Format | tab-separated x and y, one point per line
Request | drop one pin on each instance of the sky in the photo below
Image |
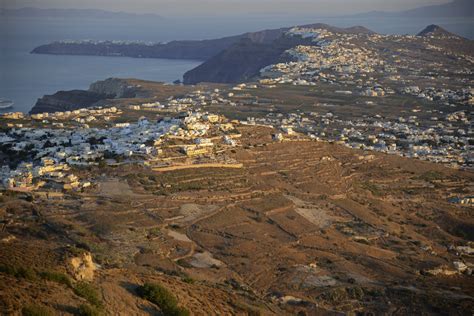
233	7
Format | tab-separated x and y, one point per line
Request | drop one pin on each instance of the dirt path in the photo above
202	165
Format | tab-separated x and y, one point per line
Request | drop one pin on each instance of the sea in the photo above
25	77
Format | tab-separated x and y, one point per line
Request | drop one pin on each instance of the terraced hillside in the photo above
301	227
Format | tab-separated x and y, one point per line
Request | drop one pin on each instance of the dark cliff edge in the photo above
75	99
67	101
241	62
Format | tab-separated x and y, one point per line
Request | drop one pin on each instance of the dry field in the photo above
303	227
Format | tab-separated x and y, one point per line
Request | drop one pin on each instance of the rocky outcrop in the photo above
117	88
67	101
99	91
82	267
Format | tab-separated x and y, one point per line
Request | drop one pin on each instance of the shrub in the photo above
57	277
165	300
18	272
87	310
248	309
188	279
87	291
373	188
36	310
431	176
184	263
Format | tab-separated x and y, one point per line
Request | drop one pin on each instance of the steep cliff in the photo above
67	101
117	88
241	62
101	90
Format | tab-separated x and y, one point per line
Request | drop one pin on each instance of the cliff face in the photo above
67	101
117	88
74	99
241	62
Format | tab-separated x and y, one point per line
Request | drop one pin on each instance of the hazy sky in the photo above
207	7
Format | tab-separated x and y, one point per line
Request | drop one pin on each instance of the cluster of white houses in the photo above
329	58
461	96
345	59
47	156
448	142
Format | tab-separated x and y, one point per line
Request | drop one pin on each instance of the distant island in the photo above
72	13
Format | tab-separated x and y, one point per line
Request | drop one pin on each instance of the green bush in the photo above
36	310
87	310
57	277
188	279
431	176
18	272
184	263
373	188
165	300
87	291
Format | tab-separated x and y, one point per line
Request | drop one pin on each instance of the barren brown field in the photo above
304	227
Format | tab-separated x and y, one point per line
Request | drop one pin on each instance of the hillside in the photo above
437	31
302	227
305	195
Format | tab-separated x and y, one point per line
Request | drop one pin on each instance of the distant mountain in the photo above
456	8
71	13
436	31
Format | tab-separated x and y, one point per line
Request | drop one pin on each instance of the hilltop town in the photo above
337	179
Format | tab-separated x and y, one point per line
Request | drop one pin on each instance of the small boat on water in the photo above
6	104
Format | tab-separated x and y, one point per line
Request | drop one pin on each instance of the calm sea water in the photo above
25	77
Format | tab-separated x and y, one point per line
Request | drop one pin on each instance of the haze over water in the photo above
25	77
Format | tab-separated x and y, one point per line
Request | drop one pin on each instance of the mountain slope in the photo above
436	31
